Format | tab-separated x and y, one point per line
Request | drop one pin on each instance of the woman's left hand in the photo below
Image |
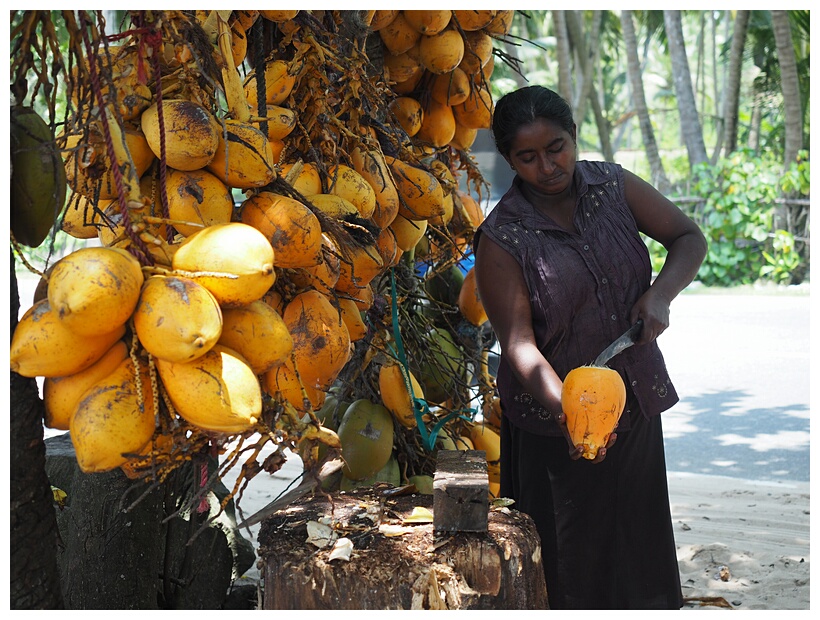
577	451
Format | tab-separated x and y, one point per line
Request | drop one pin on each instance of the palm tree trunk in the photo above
790	85
562	51
584	77
731	102
691	130
35	578
602	124
659	177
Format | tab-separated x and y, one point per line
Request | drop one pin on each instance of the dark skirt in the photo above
606	528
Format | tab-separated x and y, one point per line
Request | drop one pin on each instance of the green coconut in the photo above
366	434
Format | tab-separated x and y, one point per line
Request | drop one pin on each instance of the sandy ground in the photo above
741	544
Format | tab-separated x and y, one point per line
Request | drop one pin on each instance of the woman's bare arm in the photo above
660	219
504	295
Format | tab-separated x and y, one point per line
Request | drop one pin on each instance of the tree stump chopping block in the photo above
398	560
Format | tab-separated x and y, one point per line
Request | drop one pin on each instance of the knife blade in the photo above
624	341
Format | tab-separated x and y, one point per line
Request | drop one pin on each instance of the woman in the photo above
562	271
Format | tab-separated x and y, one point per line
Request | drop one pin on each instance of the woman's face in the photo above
543	155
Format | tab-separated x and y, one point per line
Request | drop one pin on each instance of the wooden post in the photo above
461	491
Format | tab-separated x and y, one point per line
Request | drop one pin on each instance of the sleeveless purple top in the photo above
582	287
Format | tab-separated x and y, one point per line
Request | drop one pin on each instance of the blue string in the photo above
420	406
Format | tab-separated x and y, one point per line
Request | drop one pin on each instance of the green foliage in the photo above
797	178
736	216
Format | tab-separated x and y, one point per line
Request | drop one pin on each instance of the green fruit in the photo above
329	415
390	473
424	484
445	286
38	184
443	367
331	411
366	433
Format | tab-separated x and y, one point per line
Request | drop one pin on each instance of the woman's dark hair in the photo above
522	107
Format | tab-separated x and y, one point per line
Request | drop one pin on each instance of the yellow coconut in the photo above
438	125
239	43
191	133
321	343
421	193
114	418
304	178
334	206
593	399
486	72
281	122
258	333
246	19
277	147
485	438
451	88
359	267
477	111
428	21
88	168
290	227
362	297
279	16
94	290
112	233
474	20
234	261
501	23
441	52
408	232
177	319
61	395
324	276
403	67
449	207
493	413
371	164
80	219
42	346
198	197
283	383
388	247
243	158
408	86
381	19
469	302
344	181
352	317
399	36
279	82
464	137
217	391
408	113
478	49
469	207
275	300
395	394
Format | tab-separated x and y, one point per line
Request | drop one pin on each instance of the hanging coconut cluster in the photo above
279	244
439	63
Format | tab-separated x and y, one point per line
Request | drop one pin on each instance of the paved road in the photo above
740	363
